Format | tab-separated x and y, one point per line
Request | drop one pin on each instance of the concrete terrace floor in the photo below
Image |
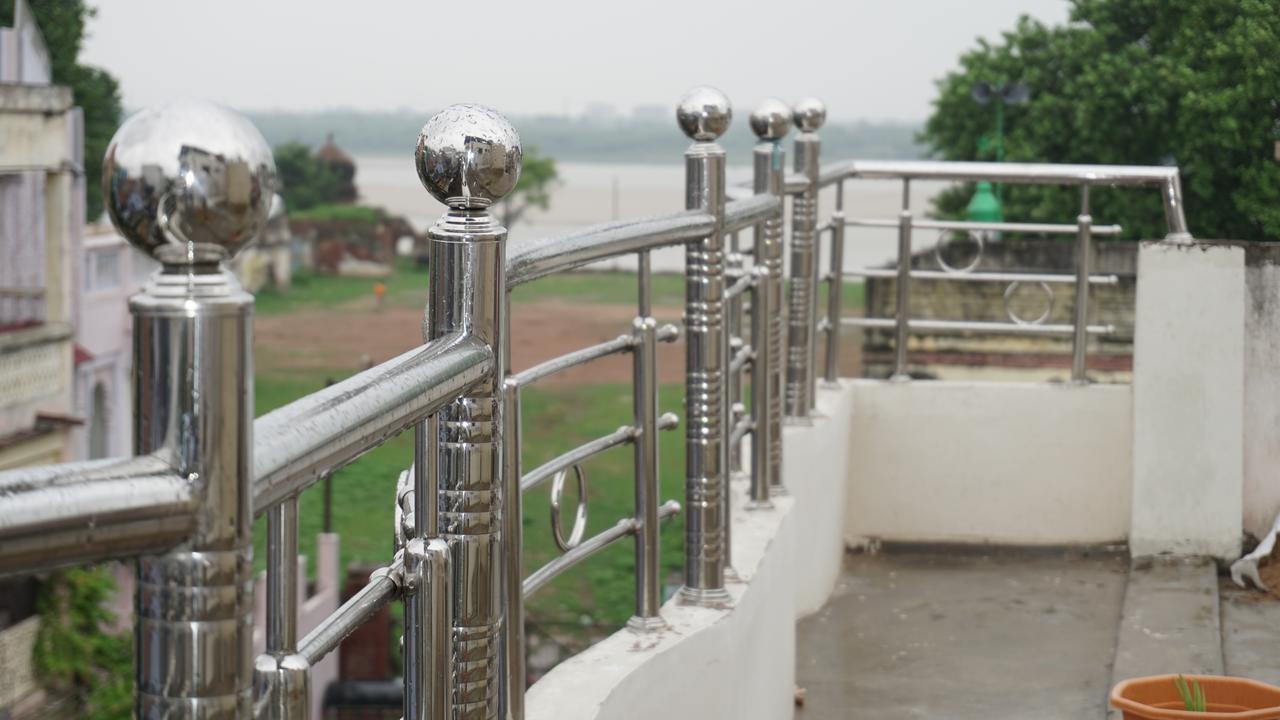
915	635
1007	634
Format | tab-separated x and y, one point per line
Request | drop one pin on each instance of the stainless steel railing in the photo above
1166	179
189	185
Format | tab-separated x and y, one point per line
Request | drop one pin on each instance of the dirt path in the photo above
354	336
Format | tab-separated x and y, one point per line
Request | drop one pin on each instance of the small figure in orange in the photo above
379	290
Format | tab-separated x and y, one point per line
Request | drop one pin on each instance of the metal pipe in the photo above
468	157
741	284
835	290
746	212
704	115
1004	277
531	260
193	394
429	653
86	512
620	344
647	489
545	471
311	437
324	638
282	577
761	401
514	674
1015	227
801	336
770	122
592	545
903	309
1005	328
1084	263
741	359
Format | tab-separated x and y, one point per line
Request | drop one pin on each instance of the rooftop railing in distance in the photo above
1166	179
190	185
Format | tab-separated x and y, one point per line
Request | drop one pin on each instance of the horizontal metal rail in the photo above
85	512
1011	227
620	344
976	326
592	545
382	588
748	212
1002	172
587	450
981	276
531	260
296	445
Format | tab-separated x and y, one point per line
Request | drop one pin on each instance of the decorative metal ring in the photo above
977	237
580	513
1048	309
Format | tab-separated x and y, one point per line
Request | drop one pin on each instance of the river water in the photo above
588	193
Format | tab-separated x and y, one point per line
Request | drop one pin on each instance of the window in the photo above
102	269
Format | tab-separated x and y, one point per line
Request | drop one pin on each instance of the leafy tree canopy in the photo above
304	180
1142	82
62	23
533	189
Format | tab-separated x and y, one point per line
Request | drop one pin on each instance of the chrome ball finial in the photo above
771	120
188	181
704	113
809	114
468	156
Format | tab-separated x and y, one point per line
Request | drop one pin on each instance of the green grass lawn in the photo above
407	285
599	591
554	421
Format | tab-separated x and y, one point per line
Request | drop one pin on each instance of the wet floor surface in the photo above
959	636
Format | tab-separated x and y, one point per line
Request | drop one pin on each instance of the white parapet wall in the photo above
1189	409
736	661
989	462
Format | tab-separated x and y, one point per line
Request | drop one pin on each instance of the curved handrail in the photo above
296	445
83	512
531	260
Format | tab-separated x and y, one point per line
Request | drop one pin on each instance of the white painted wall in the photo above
1013	463
1261	389
1188	406
735	662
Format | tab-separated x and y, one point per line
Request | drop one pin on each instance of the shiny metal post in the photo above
835	289
428	651
761	402
1084	266
704	114
190	184
513	655
902	322
771	122
809	115
645	416
734	271
468	157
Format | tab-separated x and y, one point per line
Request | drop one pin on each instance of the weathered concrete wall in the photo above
738	661
1013	463
1261	387
1188	400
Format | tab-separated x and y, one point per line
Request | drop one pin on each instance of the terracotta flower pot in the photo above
1227	698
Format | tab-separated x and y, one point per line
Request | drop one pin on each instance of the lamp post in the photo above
1014	93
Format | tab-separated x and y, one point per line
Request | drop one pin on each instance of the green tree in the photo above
305	182
62	23
77	659
533	189
1144	82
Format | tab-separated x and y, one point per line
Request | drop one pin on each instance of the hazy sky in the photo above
875	60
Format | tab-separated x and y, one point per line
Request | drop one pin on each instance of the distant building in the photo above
270	259
41	217
110	272
341	163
